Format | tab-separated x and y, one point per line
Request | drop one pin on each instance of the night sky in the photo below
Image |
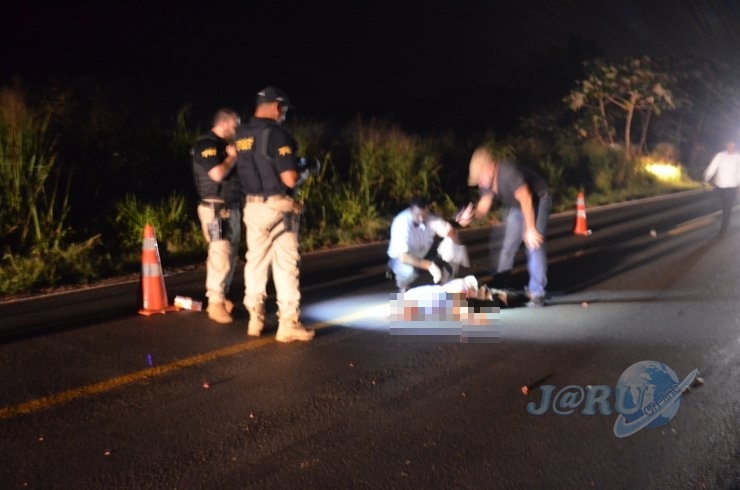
458	64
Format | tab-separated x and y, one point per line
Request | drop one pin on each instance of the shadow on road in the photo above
591	268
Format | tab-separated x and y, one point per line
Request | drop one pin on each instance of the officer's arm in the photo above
220	171
282	149
289	178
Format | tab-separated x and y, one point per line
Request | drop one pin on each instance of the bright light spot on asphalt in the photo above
565	320
367	312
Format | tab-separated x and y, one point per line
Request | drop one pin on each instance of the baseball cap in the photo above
272	94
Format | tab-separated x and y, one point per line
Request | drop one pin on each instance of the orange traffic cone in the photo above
152	281
581	228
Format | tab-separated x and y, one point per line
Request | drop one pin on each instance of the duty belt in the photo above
261	198
216	205
221	204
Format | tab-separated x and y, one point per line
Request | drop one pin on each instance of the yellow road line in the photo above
120	381
693	224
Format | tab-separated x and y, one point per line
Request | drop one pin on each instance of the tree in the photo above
617	93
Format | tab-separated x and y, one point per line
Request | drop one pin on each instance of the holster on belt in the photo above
218	228
220	209
291	213
284	204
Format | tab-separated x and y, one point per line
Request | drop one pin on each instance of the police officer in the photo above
267	166
219	209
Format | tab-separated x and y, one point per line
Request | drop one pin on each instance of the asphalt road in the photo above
177	402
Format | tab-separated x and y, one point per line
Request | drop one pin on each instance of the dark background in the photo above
468	64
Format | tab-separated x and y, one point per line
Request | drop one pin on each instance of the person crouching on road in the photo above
410	248
219	209
268	171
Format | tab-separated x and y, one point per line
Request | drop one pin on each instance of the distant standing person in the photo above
724	173
219	209
268	169
528	199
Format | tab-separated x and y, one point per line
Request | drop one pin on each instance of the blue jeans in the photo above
234	236
536	259
405	273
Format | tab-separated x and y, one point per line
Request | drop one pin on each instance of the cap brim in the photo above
280	103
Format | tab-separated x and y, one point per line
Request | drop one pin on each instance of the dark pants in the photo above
727	198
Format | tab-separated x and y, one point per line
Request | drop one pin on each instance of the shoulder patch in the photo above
285	150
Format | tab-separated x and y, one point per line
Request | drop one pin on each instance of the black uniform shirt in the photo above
209	151
511	176
261	162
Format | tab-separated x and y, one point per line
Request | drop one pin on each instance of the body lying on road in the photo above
458	308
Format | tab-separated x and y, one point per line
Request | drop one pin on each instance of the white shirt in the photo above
724	170
415	240
431	299
439	304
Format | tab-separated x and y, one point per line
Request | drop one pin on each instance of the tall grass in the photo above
335	213
34	203
178	233
389	166
380	169
33	207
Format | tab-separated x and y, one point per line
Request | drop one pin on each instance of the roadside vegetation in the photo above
80	177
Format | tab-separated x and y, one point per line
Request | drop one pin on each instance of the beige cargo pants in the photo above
271	245
221	258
